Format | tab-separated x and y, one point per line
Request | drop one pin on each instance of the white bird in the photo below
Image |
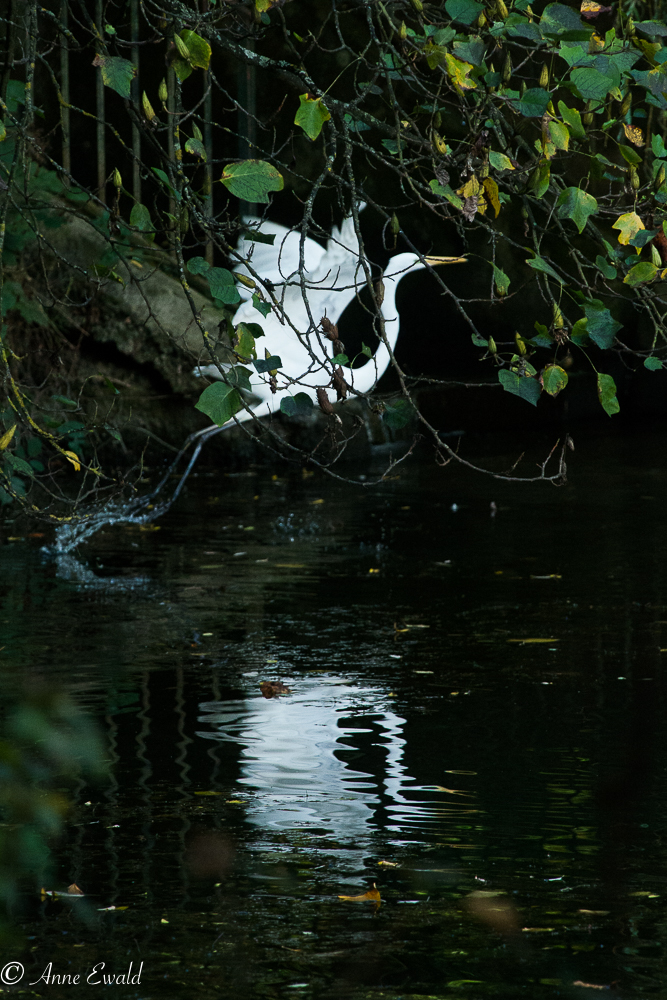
330	280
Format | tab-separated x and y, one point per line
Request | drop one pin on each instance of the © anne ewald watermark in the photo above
13	972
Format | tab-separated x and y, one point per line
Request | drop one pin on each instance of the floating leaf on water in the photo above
389	864
532	640
595	913
208	792
73	890
590	986
372	896
273	689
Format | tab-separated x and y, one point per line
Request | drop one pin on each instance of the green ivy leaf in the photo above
117	73
653	364
572	119
140	218
601	326
658	146
606	268
577	205
444	191
534	102
244	342
559	134
252	180
196	147
466	11
219	402
554	379
607	394
499	161
540	264
630	155
520	385
295	406
312	115
264	365
261	306
502	282
541	179
398	414
640	274
591	84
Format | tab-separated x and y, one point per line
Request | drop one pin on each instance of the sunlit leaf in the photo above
72	457
628	224
640	274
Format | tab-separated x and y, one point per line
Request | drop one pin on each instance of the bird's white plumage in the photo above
329	281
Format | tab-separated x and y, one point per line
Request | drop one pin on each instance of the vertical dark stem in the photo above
247	115
64	90
10	45
171	111
99	111
208	146
31	51
136	135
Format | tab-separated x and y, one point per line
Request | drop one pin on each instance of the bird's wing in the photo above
280	261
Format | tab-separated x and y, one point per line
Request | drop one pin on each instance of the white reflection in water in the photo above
294	755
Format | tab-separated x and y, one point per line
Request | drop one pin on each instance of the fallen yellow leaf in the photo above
532	640
372	896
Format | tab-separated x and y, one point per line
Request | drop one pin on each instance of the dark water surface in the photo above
508	798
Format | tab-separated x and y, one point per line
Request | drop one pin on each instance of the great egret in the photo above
330	280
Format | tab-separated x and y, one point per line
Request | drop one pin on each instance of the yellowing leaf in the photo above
491	189
559	134
470	188
629	225
6	437
72	457
458	72
373	896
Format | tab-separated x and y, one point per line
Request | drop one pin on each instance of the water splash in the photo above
135	511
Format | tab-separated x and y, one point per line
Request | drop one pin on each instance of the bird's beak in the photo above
433	261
